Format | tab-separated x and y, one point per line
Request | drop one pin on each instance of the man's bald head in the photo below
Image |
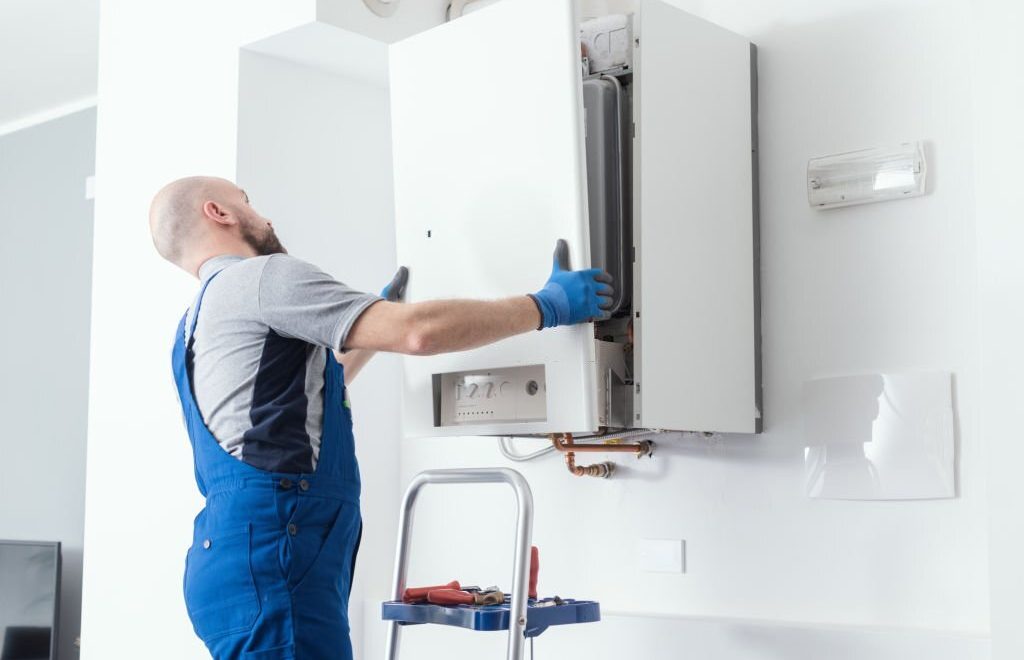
197	217
176	213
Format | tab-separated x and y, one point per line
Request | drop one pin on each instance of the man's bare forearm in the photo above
441	326
459	325
447	326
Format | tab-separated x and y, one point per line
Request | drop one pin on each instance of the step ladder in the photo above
523	619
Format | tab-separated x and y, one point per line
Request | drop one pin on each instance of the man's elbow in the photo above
406	329
421	341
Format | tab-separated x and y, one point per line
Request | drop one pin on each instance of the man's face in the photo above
257	230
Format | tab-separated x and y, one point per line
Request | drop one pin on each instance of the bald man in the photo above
261	360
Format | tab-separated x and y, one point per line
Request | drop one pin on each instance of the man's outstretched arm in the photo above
441	326
446	326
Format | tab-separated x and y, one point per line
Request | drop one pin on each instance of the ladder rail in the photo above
520	566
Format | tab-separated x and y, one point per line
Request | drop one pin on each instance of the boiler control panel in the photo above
507	394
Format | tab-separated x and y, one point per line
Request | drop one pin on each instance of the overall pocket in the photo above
330	567
220	592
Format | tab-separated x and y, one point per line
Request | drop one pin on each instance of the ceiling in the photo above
49	50
48	56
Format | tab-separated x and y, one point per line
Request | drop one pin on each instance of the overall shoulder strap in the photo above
195	310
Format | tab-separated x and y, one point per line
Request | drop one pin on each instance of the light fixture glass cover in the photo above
868	175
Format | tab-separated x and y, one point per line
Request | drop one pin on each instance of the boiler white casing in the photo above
490	170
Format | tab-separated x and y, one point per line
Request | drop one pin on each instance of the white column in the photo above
999	98
168	90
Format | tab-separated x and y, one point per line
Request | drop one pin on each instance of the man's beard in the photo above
265	243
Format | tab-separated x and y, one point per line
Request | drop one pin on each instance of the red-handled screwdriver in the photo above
534	569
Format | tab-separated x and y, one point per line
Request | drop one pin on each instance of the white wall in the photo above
45	267
884	287
314	155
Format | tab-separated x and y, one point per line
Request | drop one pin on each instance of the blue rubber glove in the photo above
573	296
395	289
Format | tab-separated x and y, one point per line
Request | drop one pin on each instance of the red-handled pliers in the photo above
457	597
419	594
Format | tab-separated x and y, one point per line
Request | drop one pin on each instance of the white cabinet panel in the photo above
488	163
695	226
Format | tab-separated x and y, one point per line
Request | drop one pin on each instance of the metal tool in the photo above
419	594
459	597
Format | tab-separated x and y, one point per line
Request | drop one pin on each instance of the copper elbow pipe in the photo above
642	448
602	470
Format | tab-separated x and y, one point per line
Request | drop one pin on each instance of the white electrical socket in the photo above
662	555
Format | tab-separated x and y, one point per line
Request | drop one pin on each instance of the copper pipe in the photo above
642	448
601	470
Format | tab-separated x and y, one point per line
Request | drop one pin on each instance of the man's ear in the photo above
218	213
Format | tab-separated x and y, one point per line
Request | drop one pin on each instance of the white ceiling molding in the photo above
457	8
47	115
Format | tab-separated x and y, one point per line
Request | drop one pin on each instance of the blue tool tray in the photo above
493	617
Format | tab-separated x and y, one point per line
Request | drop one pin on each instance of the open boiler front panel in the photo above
633	137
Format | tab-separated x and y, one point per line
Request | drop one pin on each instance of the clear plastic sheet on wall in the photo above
879	437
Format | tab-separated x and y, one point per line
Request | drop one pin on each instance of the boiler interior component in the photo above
606	109
607	42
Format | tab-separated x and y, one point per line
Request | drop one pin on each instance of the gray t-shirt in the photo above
259	355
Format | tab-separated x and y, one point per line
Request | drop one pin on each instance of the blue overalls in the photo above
269	572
